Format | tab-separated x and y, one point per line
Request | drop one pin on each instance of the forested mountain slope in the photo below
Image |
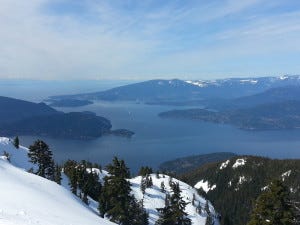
234	184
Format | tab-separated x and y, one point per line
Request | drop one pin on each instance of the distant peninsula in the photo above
69	103
271	116
18	117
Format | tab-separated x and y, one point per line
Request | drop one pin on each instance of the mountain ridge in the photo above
154	91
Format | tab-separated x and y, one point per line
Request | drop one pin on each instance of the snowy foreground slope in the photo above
27	199
155	198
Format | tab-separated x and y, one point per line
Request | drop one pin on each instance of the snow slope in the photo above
154	198
18	157
27	199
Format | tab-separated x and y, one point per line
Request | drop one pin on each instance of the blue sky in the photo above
143	39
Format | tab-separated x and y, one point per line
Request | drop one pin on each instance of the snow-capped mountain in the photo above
28	199
160	91
280	80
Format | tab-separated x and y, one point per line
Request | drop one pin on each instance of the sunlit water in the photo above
157	140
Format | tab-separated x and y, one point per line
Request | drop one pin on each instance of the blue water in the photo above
157	140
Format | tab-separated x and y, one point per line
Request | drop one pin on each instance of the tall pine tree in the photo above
40	154
16	142
115	200
57	175
173	213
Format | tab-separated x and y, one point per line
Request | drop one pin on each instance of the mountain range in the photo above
174	91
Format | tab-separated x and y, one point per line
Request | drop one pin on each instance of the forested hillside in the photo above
234	185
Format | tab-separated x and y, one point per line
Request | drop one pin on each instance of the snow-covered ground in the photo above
205	186
239	162
28	199
154	198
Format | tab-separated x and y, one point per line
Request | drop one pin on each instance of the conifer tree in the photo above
209	220
73	180
162	187
16	142
7	155
143	185
272	207
57	176
173	213
115	200
157	174
138	215
144	171
199	208
40	154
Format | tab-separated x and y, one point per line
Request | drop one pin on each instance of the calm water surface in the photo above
157	140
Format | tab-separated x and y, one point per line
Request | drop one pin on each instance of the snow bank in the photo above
239	162
205	186
154	198
286	174
28	199
18	157
224	164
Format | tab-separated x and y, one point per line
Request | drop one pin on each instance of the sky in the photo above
148	39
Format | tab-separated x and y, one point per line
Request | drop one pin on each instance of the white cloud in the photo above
172	39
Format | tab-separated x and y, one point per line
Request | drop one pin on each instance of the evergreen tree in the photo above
193	200
57	175
173	213
40	154
157	174
138	215
206	208
7	155
73	180
83	178
272	207
209	220
178	206
199	208
16	142
143	185
162	187
144	171
115	200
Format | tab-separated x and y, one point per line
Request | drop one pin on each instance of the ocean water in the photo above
157	140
